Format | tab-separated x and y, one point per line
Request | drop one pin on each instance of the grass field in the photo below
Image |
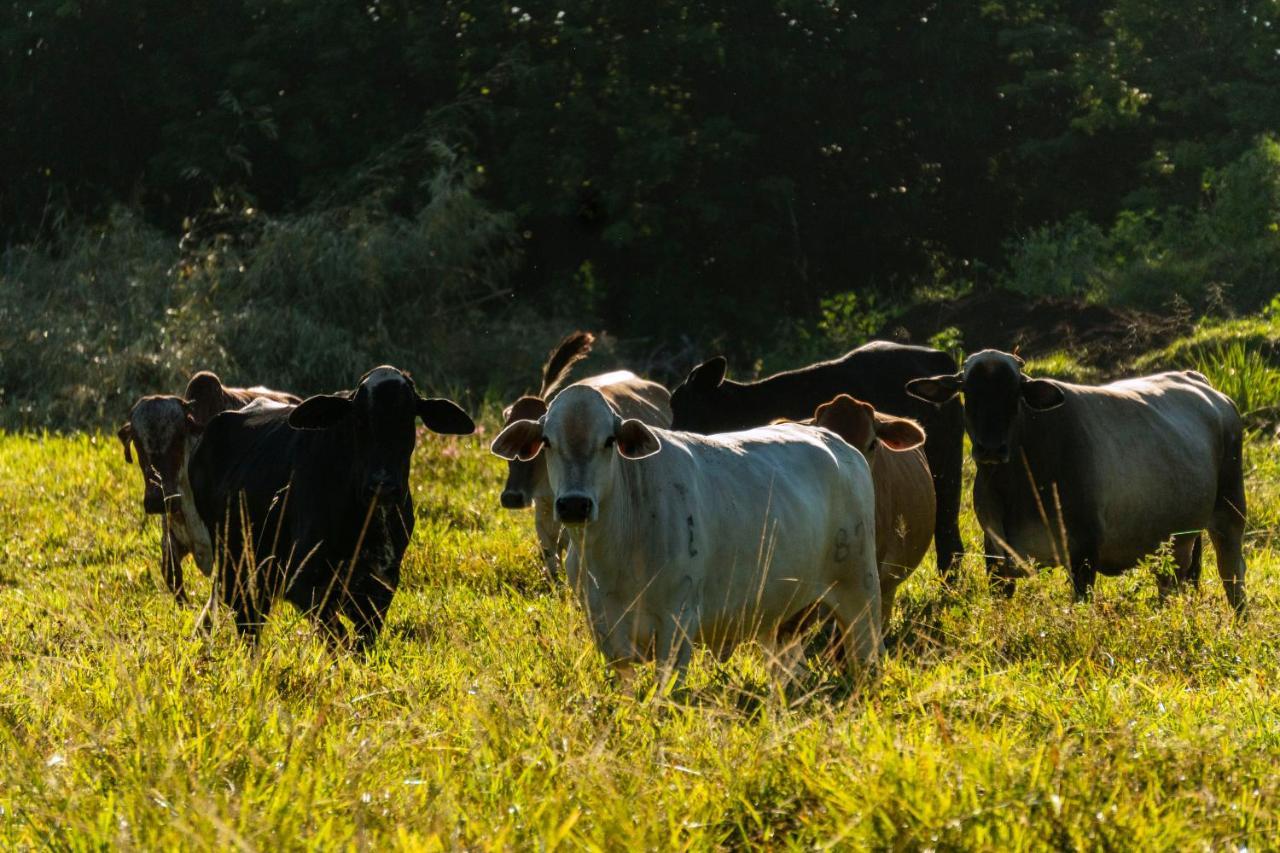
485	718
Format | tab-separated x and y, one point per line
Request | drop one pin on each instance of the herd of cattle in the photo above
720	513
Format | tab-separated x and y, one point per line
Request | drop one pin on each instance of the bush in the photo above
105	313
1148	257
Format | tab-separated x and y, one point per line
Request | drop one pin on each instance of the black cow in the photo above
877	373
1097	477
312	502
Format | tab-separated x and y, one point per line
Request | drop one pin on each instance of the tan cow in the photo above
165	431
681	538
905	505
527	483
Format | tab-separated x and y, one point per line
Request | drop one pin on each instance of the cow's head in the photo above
699	403
865	429
583	440
158	428
379	416
523	475
995	389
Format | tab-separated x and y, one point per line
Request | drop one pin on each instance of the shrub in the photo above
1244	375
105	313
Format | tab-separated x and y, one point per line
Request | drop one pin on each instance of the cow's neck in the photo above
783	395
1030	446
617	543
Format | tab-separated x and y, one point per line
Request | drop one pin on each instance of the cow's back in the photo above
633	397
1139	459
241	453
759	521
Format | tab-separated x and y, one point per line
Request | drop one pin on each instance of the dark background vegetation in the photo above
290	192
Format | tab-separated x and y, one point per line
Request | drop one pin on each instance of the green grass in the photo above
484	717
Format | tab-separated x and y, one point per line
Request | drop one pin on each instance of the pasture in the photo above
484	716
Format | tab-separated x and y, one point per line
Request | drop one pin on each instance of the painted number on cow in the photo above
842	545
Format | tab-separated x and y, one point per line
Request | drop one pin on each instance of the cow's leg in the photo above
1084	571
1001	579
945	455
328	618
784	656
241	595
367	607
171	554
549	535
673	649
1226	527
1192	573
1185	552
204	622
888	589
857	614
249	619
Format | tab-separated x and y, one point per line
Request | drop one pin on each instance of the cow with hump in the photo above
527	484
1096	478
165	430
312	503
680	538
707	402
905	505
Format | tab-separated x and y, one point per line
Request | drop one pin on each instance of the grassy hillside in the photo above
485	717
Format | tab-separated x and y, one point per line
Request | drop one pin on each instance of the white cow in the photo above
682	538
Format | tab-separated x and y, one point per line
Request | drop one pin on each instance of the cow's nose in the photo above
574	509
382	489
991	454
153	502
512	499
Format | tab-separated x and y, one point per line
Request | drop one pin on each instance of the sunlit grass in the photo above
484	716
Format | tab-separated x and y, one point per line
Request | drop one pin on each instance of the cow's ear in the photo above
1041	395
936	389
320	412
125	434
445	416
851	419
709	374
635	440
520	440
900	433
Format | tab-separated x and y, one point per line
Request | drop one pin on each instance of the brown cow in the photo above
165	430
527	484
905	503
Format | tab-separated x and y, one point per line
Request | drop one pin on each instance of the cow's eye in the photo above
546	444
610	442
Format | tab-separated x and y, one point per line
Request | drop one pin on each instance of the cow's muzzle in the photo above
991	455
384	490
574	509
153	502
512	499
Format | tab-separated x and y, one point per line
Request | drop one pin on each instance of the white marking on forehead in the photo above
156	420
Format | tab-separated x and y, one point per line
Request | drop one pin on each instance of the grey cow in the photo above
1096	478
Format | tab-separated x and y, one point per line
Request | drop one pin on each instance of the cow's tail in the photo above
573	349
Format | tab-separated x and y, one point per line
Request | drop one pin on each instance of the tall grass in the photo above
1244	375
484	717
105	312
